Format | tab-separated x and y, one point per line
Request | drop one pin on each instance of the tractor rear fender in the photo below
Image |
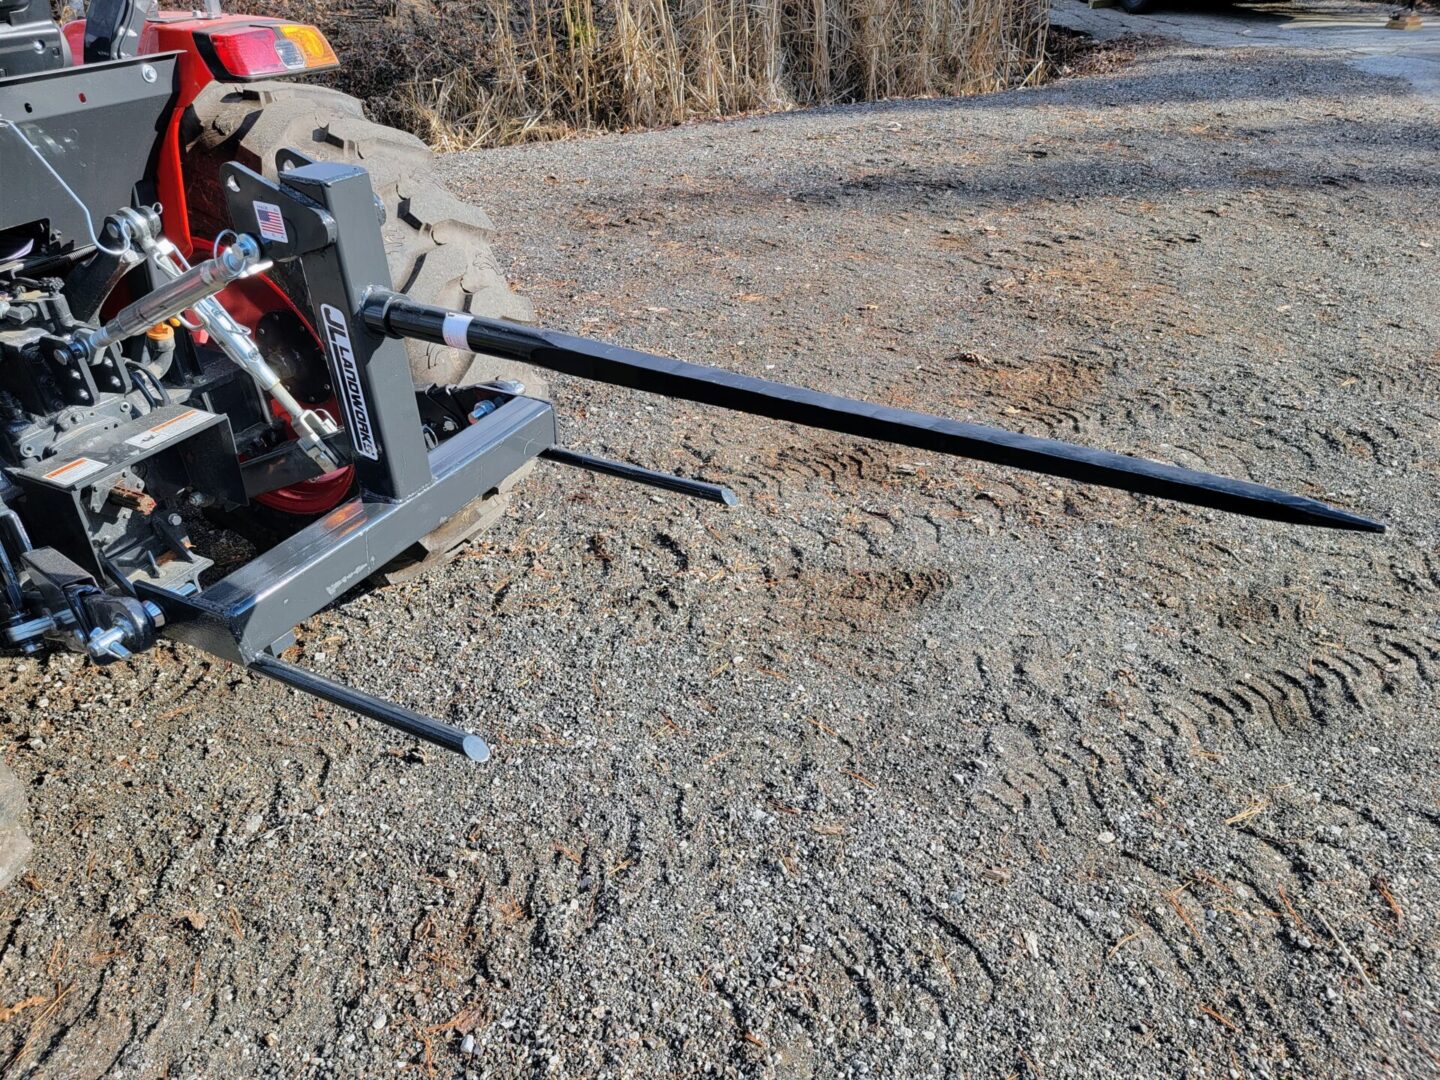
199	63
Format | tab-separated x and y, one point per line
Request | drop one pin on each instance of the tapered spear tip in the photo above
1334	518
1277	505
1303	510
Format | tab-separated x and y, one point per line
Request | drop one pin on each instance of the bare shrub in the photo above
465	73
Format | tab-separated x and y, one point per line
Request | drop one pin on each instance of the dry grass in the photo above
489	72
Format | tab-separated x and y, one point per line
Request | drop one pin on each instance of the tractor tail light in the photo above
312	44
275	49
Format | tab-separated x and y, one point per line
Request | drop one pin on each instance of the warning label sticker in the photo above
72	472
168	429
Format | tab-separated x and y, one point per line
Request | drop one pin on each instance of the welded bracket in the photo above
324	216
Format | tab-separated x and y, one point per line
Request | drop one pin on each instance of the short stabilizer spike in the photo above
397	315
697	489
457	740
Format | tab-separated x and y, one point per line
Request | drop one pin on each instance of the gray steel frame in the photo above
256	607
405	492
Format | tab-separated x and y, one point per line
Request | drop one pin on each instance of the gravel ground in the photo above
906	767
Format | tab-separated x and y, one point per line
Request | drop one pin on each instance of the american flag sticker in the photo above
272	225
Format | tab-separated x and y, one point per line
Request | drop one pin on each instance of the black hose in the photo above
159	397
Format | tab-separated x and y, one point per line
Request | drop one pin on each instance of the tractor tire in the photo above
437	245
14	843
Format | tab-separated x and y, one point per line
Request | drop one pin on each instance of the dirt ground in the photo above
905	767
